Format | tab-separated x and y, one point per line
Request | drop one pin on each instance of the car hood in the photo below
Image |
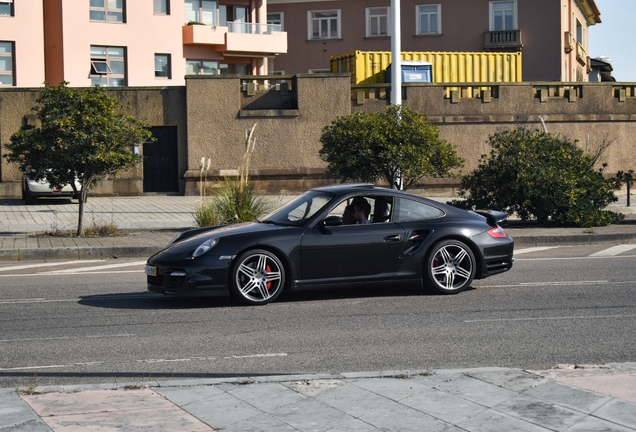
189	244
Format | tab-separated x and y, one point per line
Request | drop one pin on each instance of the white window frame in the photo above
98	61
10	3
109	13
11	56
491	15
200	11
161	7
276	21
371	16
310	24
418	18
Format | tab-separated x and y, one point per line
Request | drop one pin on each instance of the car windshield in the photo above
299	210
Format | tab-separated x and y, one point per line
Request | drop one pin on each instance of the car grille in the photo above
166	281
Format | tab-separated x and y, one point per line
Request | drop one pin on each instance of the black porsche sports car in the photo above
306	243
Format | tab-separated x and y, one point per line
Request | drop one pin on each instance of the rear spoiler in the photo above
494	217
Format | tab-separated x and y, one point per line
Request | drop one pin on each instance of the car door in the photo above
350	252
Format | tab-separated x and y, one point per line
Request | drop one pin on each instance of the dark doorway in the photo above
161	167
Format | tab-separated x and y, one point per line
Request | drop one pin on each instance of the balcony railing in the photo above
254	28
567	41
503	39
581	55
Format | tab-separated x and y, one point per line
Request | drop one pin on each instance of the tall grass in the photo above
237	200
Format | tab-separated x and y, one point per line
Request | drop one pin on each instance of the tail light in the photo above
497	232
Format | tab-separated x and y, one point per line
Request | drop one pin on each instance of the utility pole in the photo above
396	71
396	54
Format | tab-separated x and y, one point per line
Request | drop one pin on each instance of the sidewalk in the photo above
149	222
479	399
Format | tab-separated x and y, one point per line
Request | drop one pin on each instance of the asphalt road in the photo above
94	322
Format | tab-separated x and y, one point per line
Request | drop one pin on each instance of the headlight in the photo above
205	246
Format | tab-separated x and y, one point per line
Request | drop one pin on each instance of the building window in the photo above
6	7
276	18
503	15
6	64
429	19
162	66
202	67
108	66
200	11
377	21
235	69
107	11
161	7
324	24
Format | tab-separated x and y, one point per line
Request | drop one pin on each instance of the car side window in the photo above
410	210
380	209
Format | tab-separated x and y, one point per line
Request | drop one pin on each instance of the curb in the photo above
80	252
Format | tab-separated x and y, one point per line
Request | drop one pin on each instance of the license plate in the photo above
151	270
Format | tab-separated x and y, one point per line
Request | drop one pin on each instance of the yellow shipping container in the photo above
369	67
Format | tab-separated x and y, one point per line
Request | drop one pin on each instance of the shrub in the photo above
543	176
398	145
233	203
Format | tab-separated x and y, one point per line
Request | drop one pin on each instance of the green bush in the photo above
541	176
234	202
398	145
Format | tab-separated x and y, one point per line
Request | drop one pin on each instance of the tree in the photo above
83	134
544	176
397	145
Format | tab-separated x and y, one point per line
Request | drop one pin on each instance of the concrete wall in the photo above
157	106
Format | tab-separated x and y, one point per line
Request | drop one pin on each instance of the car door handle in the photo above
393	238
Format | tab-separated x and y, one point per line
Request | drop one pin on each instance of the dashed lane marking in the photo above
51	264
615	250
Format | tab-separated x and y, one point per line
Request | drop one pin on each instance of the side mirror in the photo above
332	221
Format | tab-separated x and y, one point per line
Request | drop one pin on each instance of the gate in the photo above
161	167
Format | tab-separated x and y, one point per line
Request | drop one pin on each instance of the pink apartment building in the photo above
551	34
133	42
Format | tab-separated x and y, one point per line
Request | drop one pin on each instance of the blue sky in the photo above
612	37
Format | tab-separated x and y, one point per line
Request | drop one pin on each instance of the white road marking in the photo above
102	267
551	318
533	249
90	298
570	283
51	264
140	271
98	363
66	338
614	250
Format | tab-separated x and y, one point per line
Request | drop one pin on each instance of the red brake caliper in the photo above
268	284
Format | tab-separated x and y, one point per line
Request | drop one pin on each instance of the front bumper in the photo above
189	278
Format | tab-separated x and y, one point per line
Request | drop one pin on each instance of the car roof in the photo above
348	187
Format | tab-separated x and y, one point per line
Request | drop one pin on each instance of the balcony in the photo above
238	37
567	42
581	55
503	40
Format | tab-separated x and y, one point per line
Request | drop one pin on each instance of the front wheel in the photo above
450	267
257	278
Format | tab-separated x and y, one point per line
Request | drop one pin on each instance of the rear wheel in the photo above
257	278
450	267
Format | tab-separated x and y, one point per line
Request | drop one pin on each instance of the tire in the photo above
257	278
450	267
